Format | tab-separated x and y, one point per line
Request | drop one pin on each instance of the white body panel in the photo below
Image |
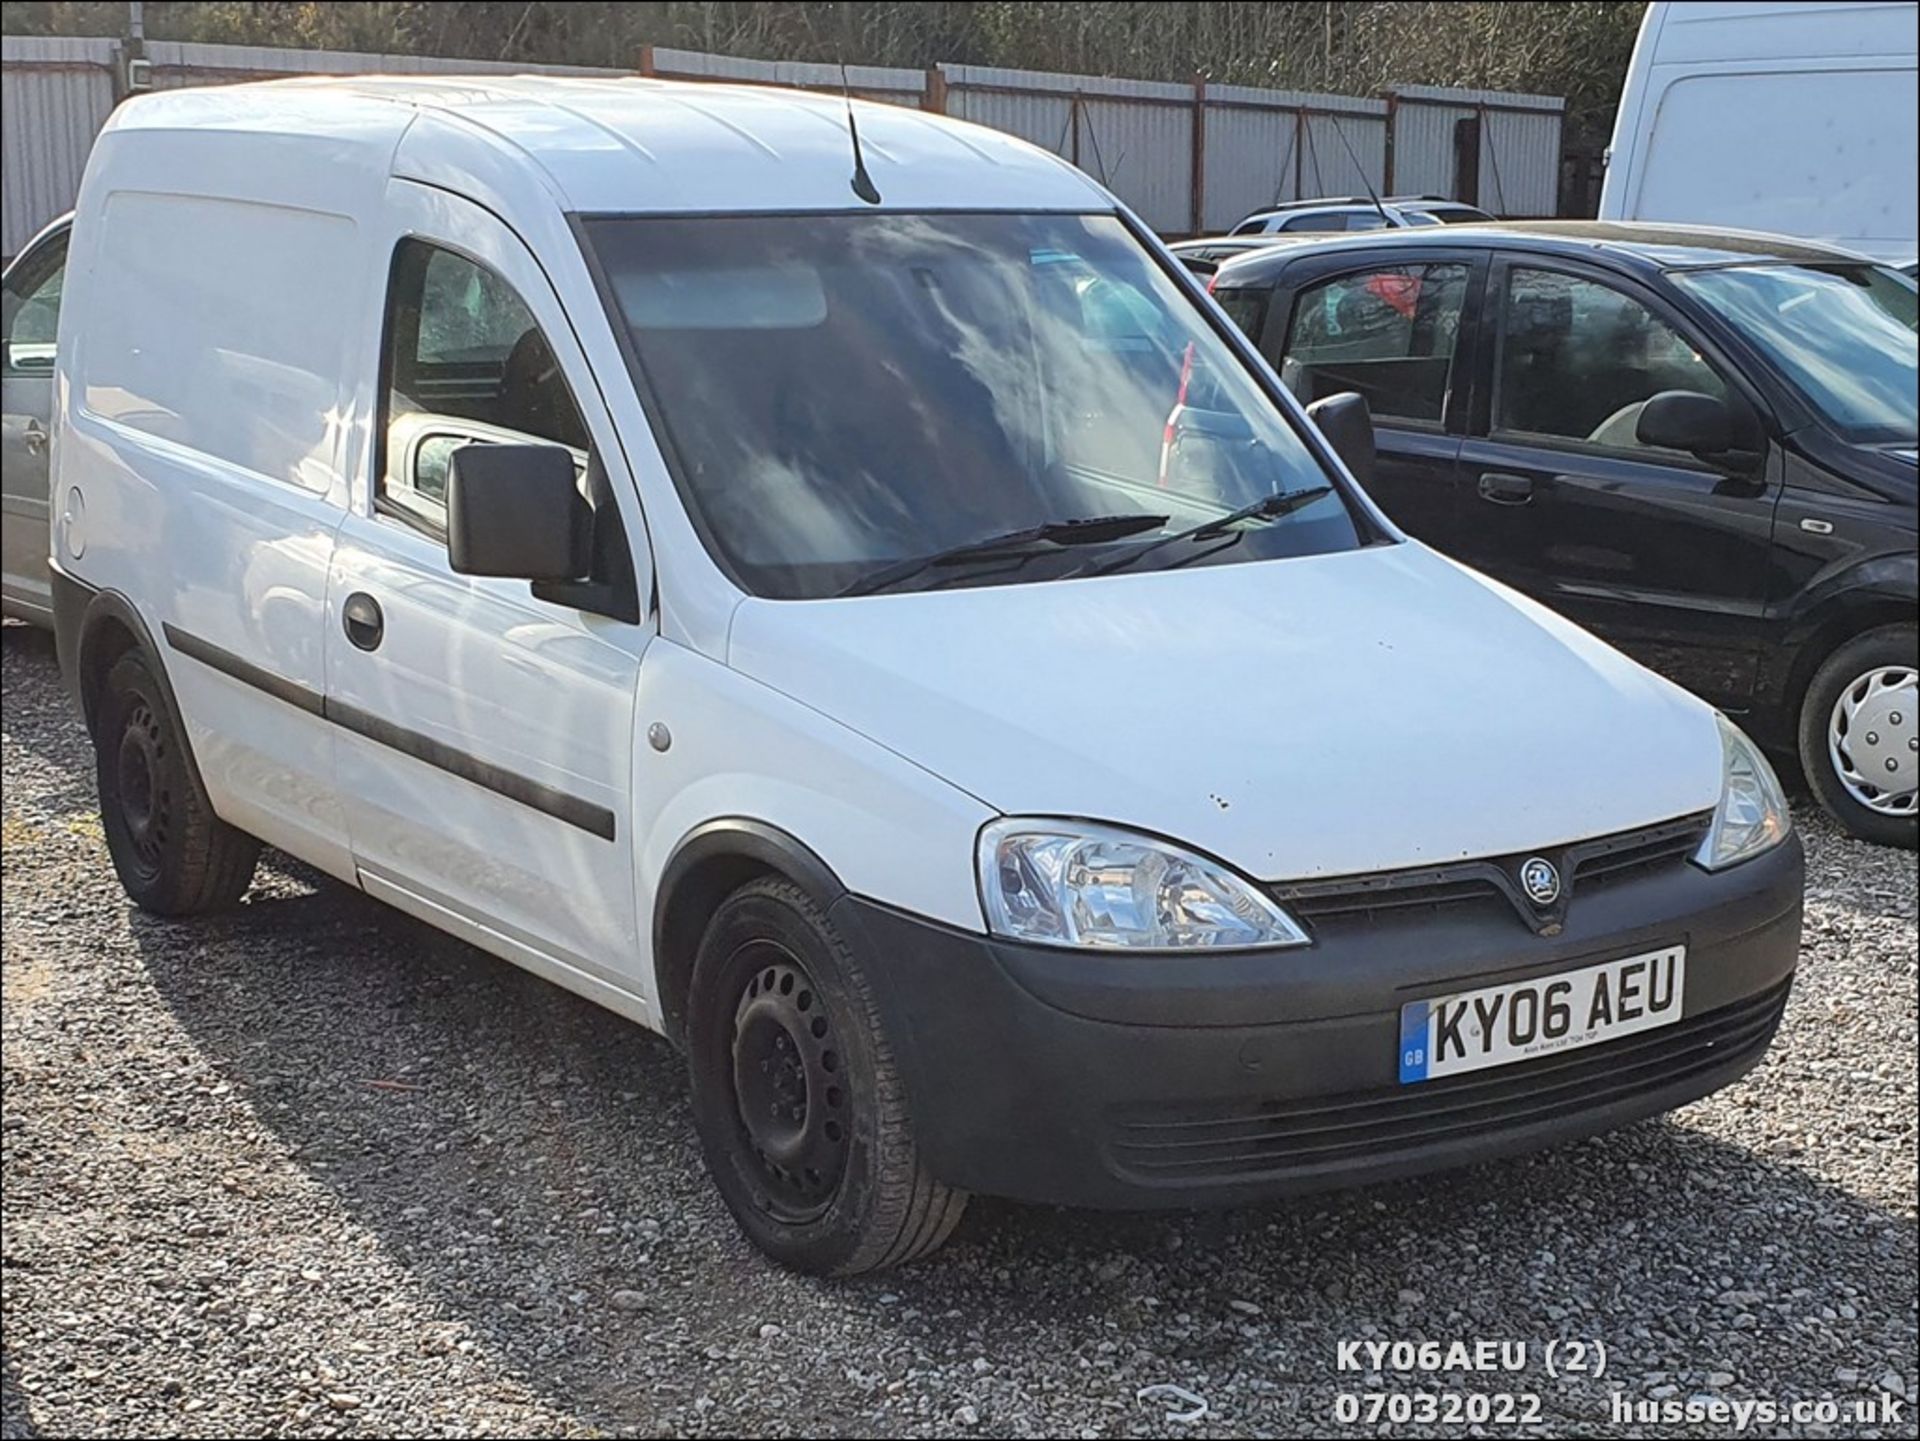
1296	718
888	828
1797	118
479	665
202	391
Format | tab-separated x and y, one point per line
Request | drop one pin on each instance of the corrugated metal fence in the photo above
52	103
1187	158
1498	150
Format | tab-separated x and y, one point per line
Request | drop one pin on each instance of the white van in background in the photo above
1797	118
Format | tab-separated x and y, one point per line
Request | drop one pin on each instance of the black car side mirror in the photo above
517	511
1707	428
1686	420
1347	422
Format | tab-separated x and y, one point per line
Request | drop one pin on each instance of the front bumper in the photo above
1104	1080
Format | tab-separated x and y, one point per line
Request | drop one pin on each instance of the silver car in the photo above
29	314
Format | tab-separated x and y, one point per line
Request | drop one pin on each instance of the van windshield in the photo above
1844	335
842	395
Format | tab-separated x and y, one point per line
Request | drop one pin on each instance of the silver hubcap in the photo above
1874	740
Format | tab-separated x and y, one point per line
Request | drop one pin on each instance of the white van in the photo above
1799	117
730	570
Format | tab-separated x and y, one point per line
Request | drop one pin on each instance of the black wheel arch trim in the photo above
743	840
81	613
1860	596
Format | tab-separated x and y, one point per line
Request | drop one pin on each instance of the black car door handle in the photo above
363	621
1504	489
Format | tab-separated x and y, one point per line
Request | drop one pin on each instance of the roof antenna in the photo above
863	185
1361	170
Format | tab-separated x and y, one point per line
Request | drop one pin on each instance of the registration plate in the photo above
1499	1025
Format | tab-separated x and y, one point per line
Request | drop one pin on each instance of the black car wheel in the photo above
1860	735
800	1111
174	856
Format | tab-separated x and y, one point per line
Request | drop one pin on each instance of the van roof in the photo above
627	144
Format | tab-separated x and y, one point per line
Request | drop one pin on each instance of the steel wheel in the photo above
789	1091
1873	740
145	797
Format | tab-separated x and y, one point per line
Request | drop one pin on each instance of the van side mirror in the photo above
1347	422
1686	420
516	511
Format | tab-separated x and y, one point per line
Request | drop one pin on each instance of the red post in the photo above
933	95
646	60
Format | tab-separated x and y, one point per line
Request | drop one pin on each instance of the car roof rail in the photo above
1307	204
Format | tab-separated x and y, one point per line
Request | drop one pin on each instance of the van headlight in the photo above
1752	814
1062	883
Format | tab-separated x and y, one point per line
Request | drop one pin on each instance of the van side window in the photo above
466	364
1389	334
1579	360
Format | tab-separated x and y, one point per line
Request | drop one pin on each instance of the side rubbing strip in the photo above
597	820
560	805
227	663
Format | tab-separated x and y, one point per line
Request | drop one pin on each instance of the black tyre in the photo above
1859	741
800	1111
173	855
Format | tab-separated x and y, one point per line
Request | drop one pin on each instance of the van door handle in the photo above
34	437
1503	488
362	619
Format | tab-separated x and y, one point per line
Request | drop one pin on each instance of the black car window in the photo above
1579	360
1245	307
1335	220
1389	333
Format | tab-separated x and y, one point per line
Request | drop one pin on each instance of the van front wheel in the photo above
174	856
800	1111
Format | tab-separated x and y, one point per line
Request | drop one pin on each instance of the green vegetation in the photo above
1577	48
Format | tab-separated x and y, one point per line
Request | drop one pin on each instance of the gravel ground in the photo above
313	1169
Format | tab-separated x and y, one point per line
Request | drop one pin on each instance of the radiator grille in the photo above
1488	885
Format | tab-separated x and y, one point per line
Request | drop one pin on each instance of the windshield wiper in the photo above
1086	530
1268	507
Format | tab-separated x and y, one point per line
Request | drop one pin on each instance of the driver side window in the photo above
1579	360
466	364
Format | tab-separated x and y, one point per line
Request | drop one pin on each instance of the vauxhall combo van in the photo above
720	549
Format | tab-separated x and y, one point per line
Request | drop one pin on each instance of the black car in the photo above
1699	445
1206	255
